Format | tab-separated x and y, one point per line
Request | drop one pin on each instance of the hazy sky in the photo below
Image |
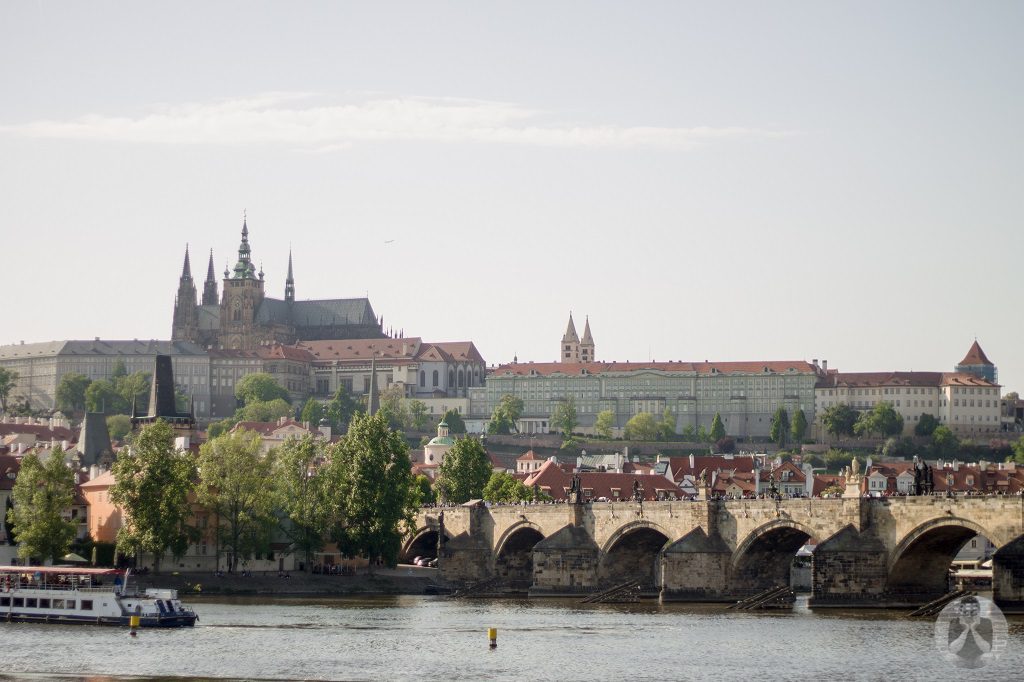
722	181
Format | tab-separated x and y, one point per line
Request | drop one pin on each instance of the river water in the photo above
433	638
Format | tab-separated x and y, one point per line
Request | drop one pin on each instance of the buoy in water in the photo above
133	623
492	634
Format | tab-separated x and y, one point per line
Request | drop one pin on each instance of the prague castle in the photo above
243	317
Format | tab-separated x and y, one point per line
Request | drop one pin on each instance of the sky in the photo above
706	181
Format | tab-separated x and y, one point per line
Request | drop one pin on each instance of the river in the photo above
434	638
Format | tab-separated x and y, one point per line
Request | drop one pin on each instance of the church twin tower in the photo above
245	318
572	348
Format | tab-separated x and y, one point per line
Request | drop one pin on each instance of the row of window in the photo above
44	603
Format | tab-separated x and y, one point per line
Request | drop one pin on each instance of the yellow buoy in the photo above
492	634
133	623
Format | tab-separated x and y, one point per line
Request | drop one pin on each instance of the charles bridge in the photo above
893	551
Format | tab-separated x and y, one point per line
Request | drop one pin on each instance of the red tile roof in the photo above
267	428
577	368
881	379
555	481
680	466
362	349
530	456
9	464
976	356
40	431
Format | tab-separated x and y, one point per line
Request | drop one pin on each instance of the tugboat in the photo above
91	596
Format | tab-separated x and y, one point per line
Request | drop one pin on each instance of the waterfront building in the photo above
746	394
41	366
243	317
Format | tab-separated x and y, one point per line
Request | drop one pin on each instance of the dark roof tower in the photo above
94	441
162	400
186	270
570	335
210	285
569	350
289	283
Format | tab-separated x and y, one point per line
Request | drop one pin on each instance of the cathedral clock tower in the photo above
240	300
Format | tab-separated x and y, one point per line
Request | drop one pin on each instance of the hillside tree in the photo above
42	493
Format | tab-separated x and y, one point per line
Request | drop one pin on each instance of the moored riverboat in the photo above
92	596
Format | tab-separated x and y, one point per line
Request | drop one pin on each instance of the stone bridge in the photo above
870	552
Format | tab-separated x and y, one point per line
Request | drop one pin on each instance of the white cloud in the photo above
300	120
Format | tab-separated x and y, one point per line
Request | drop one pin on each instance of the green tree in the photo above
882	419
945	444
70	395
263	411
926	425
392	406
341	408
1018	451
835	458
101	396
604	423
505	417
41	495
504	488
237	485
689	433
312	412
641	426
372	488
424	491
419	416
798	427
8	380
702	434
717	428
839	419
119	426
454	421
779	432
219	428
132	389
260	387
564	416
303	489
152	485
667	425
464	472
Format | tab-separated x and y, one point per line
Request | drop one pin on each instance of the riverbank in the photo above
401	580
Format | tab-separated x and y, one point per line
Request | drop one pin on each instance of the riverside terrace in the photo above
888	552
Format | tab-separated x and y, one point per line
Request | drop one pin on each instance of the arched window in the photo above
462	378
423	378
435	378
451	378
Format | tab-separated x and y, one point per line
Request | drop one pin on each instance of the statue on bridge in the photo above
576	490
854	468
638	491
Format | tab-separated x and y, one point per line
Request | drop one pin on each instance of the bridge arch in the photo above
765	556
634	552
513	554
423	542
918	567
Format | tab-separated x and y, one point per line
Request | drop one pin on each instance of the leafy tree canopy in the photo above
564	417
70	395
303	488
372	488
604	423
464	472
42	493
882	419
839	419
8	379
119	426
260	387
152	486
454	421
504	488
798	427
779	431
642	426
926	425
717	428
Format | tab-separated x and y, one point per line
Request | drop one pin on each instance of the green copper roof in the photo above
441	440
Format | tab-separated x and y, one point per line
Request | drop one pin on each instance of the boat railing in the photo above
52	587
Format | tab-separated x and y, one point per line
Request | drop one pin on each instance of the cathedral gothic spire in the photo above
210	285
289	283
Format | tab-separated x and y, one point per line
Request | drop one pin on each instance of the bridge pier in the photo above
695	568
1008	576
849	569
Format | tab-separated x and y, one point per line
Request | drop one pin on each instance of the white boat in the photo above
100	596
